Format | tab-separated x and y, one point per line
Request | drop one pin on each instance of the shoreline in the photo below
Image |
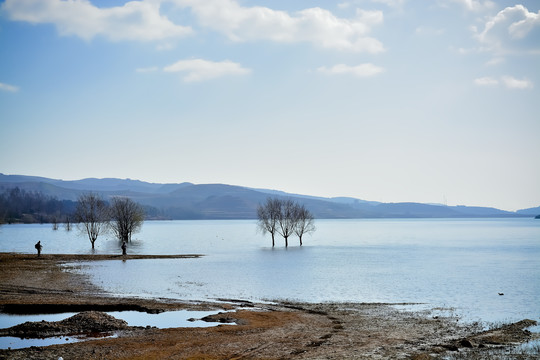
91	257
262	331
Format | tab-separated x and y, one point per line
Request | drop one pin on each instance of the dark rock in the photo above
450	347
223	318
466	343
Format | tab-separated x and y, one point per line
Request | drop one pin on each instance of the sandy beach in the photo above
279	330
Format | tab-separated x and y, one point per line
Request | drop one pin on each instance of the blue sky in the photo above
387	100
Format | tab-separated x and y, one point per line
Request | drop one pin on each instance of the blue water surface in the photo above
460	264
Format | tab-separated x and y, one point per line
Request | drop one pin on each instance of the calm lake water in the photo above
462	264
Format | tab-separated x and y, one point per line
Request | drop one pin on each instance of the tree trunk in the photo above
286	241
273	242
300	237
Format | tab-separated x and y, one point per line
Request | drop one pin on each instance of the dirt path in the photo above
263	331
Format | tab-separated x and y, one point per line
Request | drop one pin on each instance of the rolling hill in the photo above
219	201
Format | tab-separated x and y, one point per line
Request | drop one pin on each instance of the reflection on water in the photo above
9	320
8	342
164	320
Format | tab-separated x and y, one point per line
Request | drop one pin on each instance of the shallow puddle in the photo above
168	319
9	342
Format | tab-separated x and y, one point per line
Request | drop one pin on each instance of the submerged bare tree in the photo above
286	220
304	222
67	223
268	215
126	217
285	217
91	215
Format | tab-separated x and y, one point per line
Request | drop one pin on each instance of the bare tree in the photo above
126	217
303	221
67	223
268	215
91	215
286	219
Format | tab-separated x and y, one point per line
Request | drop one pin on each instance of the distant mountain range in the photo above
220	201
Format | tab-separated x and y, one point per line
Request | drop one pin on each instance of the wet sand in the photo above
280	330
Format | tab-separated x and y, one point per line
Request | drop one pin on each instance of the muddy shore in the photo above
280	330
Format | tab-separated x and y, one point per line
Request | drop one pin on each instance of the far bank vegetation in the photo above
284	217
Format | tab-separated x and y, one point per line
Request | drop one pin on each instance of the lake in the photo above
460	265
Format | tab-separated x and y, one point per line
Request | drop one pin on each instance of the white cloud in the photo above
486	81
200	70
142	21
510	28
362	70
8	88
314	25
476	5
135	20
513	83
509	81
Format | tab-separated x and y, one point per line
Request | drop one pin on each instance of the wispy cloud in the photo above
509	82
200	70
135	20
486	81
391	3
362	70
147	69
475	5
354	3
314	25
9	88
429	31
513	83
495	61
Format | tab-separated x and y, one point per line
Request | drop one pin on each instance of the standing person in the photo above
124	247
38	248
